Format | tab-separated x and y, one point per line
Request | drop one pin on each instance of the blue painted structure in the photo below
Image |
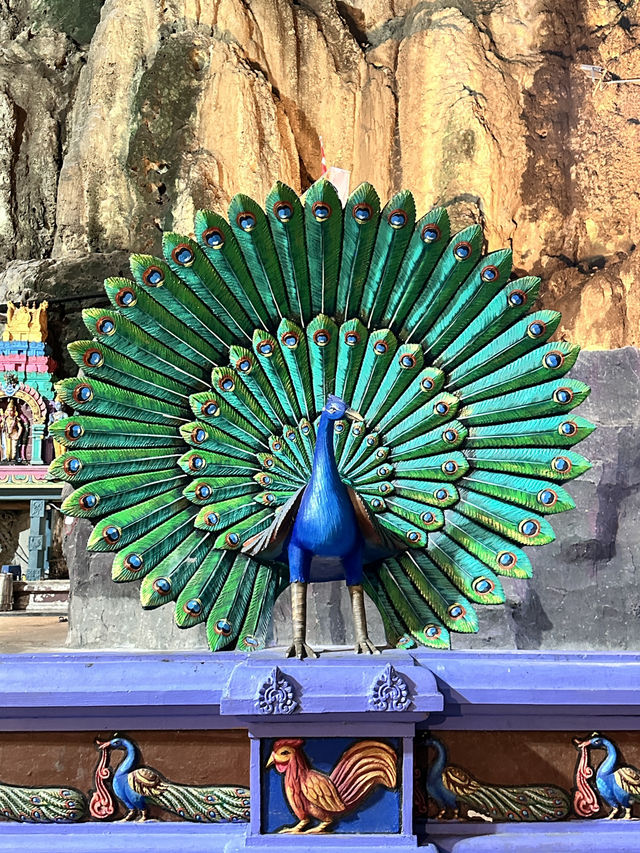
465	690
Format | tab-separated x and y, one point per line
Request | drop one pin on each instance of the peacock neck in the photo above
129	759
434	775
611	759
324	468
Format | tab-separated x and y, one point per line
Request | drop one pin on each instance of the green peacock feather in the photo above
196	409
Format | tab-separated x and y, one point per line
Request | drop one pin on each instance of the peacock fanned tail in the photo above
195	411
203	804
42	805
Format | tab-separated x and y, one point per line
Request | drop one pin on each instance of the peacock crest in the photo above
201	391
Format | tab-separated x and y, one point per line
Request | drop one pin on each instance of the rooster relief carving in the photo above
330	797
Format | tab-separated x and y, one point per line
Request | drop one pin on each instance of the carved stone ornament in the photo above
276	695
390	692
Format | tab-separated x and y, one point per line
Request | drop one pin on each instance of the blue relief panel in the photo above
316	785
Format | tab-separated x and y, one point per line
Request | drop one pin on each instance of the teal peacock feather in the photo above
197	410
42	805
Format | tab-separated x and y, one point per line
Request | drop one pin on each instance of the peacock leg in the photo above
299	647
363	643
144	815
613	813
131	814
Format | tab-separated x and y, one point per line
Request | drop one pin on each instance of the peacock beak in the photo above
353	415
271	761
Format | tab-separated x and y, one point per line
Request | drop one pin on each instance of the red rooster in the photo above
313	794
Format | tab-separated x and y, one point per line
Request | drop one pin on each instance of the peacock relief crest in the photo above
307	380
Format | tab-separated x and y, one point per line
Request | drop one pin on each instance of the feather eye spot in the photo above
427	384
72	466
198	435
226	383
321	211
430	233
450	435
83	393
196	463
432	631
377	504
372	440
568	428
362	212
203	491
441	494
251	643
223	627
547	497
153	276
356	429
517	298
553	359
561	464
290	436
563	395
89	501
244	365
73	431
529	527
305	428
462	251
483	586
283	211
385	488
351	339
397	219
441	408
536	329
382	453
210	409
276	446
183	255
246	221
456	611
339	427
265	348
407	361
232	540
106	325
413	536
506	559
111	534
383	471
93	358
133	562
125	297
212	519
268	462
321	337
490	273
213	237
450	467
427	517
380	347
290	340
162	586
193	607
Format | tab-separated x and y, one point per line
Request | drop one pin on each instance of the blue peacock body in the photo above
311	380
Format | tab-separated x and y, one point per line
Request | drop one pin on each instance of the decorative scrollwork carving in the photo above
390	692
277	695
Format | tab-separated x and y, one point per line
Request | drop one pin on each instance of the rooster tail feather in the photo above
203	804
363	766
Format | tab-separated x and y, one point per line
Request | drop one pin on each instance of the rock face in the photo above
119	119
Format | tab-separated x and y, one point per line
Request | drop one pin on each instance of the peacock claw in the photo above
301	650
365	647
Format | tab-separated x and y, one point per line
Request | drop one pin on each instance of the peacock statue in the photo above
308	393
453	788
137	787
617	784
42	804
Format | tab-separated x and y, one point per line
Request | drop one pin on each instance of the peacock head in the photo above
282	753
116	742
335	409
595	740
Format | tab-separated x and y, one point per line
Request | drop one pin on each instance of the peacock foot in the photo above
613	814
144	815
321	827
301	650
294	830
365	647
131	814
